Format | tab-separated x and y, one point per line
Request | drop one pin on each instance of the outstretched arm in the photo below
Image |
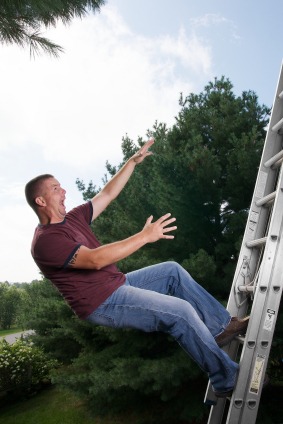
102	256
116	184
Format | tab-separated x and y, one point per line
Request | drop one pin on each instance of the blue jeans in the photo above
190	314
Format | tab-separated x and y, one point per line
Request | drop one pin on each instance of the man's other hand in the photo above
156	230
142	153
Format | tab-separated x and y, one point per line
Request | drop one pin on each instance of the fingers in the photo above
147	145
163	222
166	230
148	221
169	221
163	218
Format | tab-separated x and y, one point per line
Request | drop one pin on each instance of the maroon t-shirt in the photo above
52	248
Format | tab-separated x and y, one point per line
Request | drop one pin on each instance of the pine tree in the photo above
203	172
21	21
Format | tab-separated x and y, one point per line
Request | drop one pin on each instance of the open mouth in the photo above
62	203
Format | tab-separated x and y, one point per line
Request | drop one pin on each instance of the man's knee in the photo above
174	268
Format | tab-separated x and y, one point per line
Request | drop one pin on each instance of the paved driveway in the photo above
11	338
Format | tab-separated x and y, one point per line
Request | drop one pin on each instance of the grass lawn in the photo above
51	406
10	331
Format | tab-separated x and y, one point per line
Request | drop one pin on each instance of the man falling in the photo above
84	271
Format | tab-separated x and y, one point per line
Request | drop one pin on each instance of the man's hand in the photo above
102	256
155	231
143	153
116	184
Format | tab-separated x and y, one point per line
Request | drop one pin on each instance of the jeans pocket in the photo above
102	320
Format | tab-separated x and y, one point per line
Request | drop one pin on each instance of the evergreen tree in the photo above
46	312
22	20
203	172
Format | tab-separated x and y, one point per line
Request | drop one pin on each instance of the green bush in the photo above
22	365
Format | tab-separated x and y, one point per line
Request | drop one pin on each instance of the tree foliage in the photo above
10	304
203	172
21	21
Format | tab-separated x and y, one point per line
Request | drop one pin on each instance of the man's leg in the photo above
170	278
133	307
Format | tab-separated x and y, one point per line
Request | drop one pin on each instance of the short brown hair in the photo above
33	189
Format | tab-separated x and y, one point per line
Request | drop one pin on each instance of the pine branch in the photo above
40	45
20	21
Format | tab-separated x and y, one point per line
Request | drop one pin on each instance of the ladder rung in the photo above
240	339
266	199
246	288
274	159
256	243
281	95
277	126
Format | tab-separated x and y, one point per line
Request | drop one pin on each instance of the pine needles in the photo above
21	21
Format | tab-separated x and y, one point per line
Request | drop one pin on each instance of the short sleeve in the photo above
54	250
84	212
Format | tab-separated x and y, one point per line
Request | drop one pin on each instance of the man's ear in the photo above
40	201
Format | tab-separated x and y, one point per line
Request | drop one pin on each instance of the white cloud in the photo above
109	82
215	19
192	52
18	224
11	190
208	19
67	116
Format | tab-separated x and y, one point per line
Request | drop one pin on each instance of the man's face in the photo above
54	197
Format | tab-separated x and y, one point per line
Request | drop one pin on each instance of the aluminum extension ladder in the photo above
259	274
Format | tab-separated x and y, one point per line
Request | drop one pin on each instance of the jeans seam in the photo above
103	316
175	278
202	307
172	315
153	279
198	336
179	282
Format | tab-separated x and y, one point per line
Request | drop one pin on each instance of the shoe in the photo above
230	392
237	326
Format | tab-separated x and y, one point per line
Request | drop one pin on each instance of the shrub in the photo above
22	365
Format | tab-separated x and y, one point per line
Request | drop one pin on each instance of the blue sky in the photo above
122	69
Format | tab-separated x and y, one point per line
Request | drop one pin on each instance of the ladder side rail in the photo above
239	393
251	255
217	411
271	263
265	182
271	147
258	215
265	336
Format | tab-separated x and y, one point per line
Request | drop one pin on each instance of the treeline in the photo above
14	301
203	171
12	298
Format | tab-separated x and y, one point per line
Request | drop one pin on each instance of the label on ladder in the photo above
257	373
268	323
261	184
252	224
